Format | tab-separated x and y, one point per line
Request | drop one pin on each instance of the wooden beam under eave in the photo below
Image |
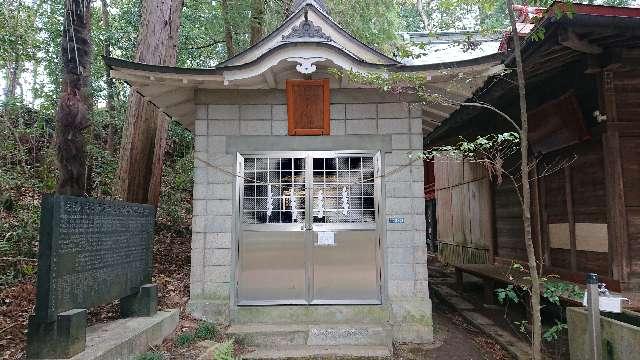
178	97
430	124
154	91
435	113
571	40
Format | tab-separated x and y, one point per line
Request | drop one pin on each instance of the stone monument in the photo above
91	252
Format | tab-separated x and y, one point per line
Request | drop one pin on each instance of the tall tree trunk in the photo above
257	20
526	193
108	80
73	108
13	77
423	15
144	135
228	31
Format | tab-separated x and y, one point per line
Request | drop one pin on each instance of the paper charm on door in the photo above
320	204
294	206
345	201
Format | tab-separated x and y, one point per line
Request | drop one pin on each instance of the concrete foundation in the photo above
123	339
620	334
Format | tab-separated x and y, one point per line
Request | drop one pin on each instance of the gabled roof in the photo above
308	44
310	23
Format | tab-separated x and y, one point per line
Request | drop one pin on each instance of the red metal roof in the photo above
529	16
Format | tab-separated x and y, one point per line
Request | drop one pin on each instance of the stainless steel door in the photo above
345	258
308	228
272	261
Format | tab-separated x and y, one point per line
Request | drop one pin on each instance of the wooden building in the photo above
583	99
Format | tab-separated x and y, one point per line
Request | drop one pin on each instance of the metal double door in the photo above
308	229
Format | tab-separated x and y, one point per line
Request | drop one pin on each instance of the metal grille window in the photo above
343	190
274	190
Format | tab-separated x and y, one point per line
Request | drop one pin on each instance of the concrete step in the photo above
311	314
278	335
322	352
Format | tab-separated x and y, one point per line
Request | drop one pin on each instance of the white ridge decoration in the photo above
320	204
345	201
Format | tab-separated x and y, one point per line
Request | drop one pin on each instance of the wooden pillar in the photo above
544	220
616	212
571	217
536	218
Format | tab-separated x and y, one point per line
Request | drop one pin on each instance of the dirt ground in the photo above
455	339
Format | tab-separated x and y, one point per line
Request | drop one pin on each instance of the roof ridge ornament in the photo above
306	31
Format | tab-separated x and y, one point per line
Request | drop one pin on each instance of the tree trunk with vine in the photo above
145	132
536	343
72	116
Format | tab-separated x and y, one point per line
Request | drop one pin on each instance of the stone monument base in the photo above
62	338
125	338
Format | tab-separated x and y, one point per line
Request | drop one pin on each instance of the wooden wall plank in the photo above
475	214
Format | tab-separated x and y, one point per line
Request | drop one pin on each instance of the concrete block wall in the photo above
404	244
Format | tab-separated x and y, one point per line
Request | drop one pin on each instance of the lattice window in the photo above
271	187
343	190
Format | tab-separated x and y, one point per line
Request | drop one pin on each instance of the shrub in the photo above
185	339
150	355
225	351
206	331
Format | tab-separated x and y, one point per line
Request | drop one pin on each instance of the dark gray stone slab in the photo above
91	253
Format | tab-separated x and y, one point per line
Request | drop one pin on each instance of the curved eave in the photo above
172	89
479	62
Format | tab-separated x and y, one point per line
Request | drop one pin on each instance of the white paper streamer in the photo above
320	204
294	206
345	201
269	201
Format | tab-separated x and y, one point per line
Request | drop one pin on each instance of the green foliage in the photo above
177	177
225	351
151	355
554	332
185	339
522	325
508	294
17	32
553	290
206	331
374	22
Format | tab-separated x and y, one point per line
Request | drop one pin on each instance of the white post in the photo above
594	343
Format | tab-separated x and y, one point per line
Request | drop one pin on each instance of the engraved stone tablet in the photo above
91	253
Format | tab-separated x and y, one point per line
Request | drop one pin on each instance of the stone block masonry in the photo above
405	285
